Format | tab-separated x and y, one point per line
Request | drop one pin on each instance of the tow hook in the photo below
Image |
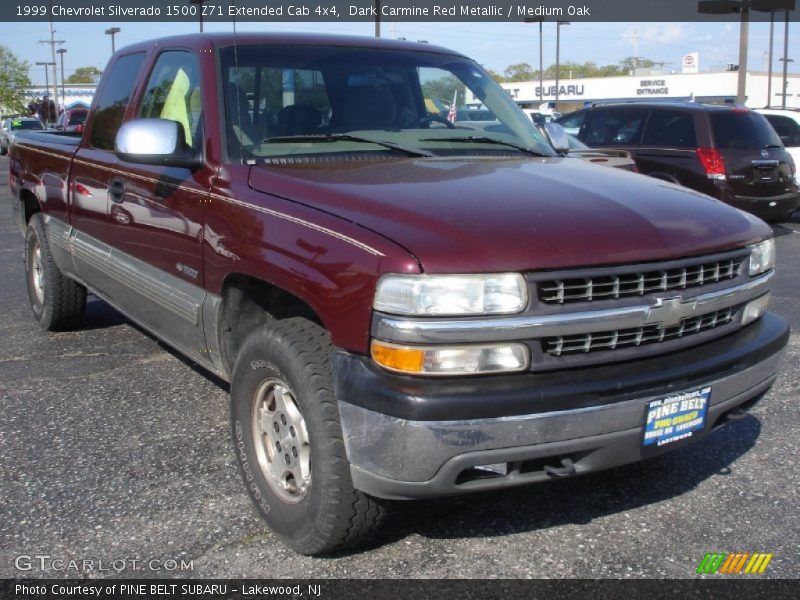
567	469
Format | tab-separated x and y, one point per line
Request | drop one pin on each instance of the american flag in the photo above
451	115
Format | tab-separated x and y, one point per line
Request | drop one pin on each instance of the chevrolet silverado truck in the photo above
404	307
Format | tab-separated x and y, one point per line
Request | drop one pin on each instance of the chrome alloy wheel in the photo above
281	441
37	272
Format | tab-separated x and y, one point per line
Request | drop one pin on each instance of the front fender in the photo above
329	263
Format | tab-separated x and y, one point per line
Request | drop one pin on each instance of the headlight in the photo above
451	360
427	295
762	257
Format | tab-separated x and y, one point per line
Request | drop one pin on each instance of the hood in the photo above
499	214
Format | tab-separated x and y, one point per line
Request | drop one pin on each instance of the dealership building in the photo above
74	96
714	87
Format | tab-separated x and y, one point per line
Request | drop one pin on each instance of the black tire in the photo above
57	302
3	150
329	515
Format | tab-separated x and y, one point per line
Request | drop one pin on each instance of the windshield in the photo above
26	124
344	100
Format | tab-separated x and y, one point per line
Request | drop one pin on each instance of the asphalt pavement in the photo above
113	448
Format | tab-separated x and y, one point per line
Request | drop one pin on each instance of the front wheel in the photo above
288	440
57	302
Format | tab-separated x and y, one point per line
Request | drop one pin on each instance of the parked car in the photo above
72	120
538	117
10	127
607	157
404	308
730	153
786	123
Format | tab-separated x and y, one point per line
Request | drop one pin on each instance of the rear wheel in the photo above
57	302
288	440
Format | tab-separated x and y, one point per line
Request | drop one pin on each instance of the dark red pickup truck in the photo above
405	306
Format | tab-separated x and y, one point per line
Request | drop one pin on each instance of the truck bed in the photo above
62	138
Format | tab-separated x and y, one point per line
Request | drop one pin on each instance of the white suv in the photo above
786	123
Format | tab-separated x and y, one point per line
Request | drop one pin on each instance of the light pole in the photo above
744	36
53	42
377	18
539	20
786	60
541	70
46	66
112	31
558	57
769	69
62	52
743	7
199	3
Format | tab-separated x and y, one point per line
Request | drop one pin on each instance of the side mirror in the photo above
558	137
155	142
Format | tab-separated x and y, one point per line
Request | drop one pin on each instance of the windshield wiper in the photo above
346	137
476	139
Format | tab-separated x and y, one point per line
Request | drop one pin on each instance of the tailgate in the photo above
756	163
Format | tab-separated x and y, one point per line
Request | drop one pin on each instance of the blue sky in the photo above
495	45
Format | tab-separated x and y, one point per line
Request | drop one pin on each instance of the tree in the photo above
631	63
524	72
13	81
85	75
443	90
519	72
494	74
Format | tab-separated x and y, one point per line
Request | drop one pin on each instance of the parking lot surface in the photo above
113	447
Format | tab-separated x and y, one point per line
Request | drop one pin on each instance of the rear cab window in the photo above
617	127
264	100
742	130
77	117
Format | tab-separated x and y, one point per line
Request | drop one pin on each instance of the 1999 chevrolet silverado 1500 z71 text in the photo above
405	307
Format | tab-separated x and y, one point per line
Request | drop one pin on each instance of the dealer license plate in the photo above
675	418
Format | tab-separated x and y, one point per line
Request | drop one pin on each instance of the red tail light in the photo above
712	162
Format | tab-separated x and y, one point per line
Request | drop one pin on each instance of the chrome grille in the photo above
626	338
614	286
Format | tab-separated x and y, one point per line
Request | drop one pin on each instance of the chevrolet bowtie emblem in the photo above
669	312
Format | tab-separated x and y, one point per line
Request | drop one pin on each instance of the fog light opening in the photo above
755	309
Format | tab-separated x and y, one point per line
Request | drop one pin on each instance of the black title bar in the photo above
119	11
361	589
